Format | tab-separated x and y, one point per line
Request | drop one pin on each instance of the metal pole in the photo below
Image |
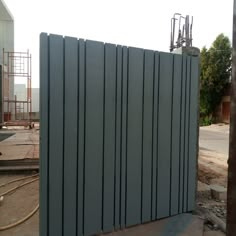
15	109
171	36
30	74
187	31
8	86
231	195
3	83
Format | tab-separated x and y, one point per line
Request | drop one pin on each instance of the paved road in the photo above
213	140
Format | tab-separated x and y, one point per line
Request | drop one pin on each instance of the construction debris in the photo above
212	218
218	192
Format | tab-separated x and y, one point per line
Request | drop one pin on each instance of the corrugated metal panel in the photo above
118	135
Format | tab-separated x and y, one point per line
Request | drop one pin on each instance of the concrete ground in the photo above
23	144
180	225
4	136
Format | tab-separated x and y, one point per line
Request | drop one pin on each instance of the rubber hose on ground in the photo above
21	220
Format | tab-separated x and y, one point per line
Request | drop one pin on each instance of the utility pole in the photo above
231	194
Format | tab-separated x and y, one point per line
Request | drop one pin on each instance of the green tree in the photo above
215	74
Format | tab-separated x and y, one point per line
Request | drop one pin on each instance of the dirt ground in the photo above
17	205
212	170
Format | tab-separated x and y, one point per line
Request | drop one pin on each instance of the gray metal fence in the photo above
118	135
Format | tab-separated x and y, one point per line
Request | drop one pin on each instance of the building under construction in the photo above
14	66
17	111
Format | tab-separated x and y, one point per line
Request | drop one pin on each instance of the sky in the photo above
144	24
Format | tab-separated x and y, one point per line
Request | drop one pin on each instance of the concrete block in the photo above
203	190
218	192
202	187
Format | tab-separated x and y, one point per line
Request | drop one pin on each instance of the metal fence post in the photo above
231	198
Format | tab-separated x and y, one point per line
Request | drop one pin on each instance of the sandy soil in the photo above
17	205
212	169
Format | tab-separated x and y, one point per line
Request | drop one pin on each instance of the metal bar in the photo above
15	108
28	86
18	64
12	101
30	71
8	88
23	111
18	52
231	195
3	75
187	31
19	74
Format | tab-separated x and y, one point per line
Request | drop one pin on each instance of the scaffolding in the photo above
16	66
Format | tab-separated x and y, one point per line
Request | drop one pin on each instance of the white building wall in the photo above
6	39
21	94
35	99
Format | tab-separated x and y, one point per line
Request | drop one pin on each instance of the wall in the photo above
6	29
35	99
6	37
20	92
118	135
6	40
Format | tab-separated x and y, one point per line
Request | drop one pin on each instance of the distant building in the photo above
35	99
6	30
20	93
6	43
222	113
